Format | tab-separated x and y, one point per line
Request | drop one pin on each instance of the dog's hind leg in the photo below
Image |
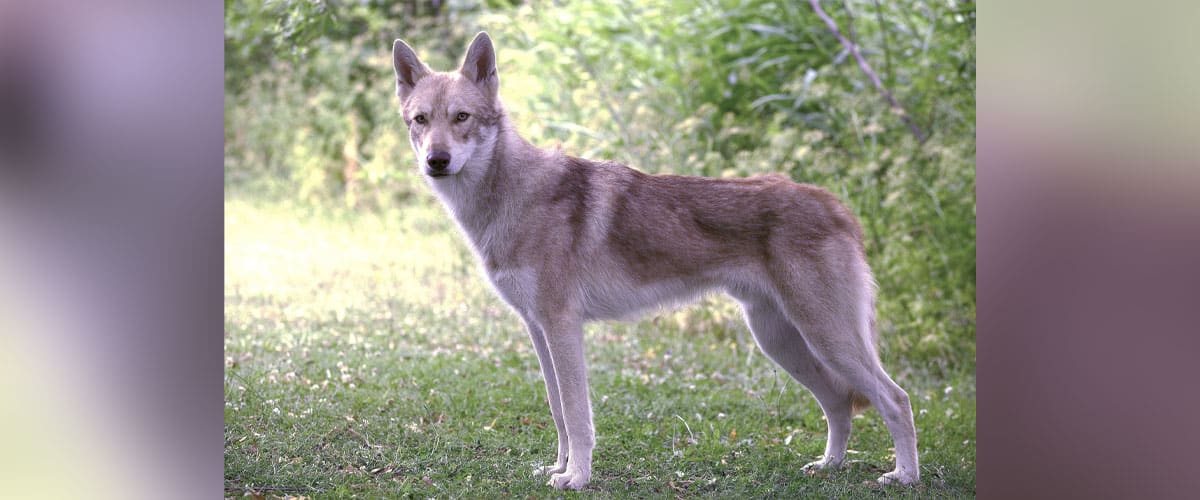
552	396
832	308
783	344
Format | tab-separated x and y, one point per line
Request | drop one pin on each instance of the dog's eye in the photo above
462	117
420	119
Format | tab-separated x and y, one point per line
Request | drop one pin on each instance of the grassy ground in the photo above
366	358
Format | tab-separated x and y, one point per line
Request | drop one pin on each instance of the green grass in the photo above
365	357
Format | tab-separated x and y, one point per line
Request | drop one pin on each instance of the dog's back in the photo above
639	241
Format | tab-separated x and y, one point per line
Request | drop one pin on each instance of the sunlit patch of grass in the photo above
365	356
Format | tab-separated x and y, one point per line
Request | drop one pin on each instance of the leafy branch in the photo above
862	64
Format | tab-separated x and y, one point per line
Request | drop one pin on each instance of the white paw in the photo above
549	470
898	476
822	464
570	480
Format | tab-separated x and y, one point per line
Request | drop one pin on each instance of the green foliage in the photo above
310	110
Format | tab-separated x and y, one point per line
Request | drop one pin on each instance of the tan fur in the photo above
566	240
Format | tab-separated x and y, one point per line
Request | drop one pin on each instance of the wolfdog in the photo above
565	240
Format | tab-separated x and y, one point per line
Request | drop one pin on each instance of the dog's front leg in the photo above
552	396
564	339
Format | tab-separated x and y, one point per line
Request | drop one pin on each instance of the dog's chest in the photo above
516	285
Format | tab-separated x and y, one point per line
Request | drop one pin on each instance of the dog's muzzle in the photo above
436	164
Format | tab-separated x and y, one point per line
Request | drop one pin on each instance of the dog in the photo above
565	240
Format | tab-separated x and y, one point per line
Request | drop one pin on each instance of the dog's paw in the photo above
822	464
570	480
549	470
899	477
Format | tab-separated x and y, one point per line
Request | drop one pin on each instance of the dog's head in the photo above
452	117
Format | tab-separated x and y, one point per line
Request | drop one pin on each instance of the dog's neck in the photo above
491	189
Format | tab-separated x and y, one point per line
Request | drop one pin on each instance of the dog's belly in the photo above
623	299
607	297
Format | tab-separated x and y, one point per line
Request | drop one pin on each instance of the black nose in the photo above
438	161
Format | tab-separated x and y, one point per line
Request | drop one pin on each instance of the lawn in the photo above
366	357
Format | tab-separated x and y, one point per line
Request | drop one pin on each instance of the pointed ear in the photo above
409	68
480	64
